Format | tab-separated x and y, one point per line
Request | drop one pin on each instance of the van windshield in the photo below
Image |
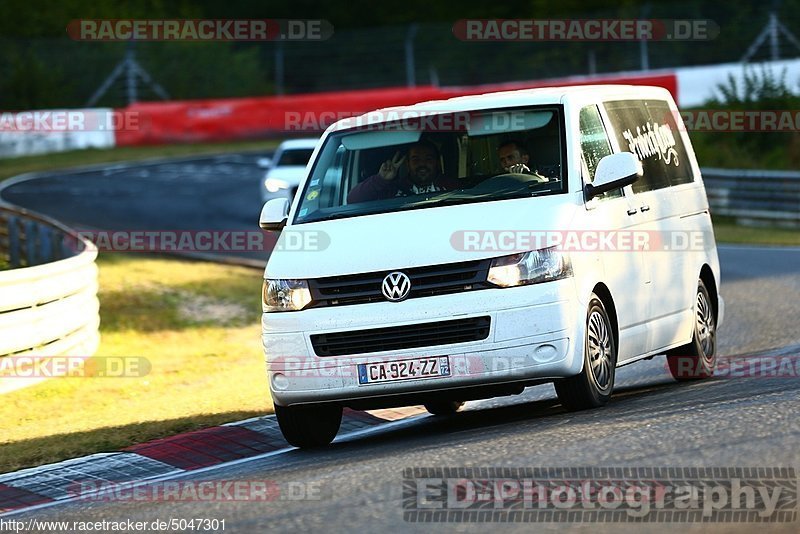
422	161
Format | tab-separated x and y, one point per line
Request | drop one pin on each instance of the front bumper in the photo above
533	335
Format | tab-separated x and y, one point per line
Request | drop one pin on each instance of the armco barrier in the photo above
48	288
754	195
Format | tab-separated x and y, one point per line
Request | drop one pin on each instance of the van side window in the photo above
649	130
594	143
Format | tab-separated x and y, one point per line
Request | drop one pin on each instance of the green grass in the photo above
13	166
727	231
198	326
726	150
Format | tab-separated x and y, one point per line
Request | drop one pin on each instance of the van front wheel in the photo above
592	387
313	425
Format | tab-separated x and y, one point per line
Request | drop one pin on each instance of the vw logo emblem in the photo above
396	286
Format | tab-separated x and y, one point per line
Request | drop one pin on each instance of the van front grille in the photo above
401	337
425	282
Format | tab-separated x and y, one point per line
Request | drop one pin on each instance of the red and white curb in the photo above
168	457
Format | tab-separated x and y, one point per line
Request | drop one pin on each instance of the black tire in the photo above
306	426
698	359
443	407
593	386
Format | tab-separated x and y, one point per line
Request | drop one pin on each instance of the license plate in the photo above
431	367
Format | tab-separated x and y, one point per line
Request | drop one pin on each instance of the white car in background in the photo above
286	168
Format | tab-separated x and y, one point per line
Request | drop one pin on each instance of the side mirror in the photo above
614	171
264	163
274	214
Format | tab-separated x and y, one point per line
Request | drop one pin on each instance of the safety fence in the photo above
48	288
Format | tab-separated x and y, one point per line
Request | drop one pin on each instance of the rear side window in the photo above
648	129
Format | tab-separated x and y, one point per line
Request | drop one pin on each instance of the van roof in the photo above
501	99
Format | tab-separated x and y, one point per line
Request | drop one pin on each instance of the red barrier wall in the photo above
258	117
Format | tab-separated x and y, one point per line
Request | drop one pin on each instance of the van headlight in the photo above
284	295
531	267
274	185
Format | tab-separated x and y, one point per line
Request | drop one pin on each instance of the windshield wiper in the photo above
449	201
337	215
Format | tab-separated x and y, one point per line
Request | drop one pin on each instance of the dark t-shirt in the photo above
376	188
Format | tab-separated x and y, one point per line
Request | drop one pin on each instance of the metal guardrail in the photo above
754	195
48	288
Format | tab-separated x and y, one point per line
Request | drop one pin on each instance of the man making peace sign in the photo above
424	176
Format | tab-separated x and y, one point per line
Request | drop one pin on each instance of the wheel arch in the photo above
707	276
603	293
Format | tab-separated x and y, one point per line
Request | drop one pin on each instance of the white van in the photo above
468	248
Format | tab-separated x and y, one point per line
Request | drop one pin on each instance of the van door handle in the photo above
632	211
644	208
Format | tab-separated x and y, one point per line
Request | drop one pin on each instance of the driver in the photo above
513	157
424	176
